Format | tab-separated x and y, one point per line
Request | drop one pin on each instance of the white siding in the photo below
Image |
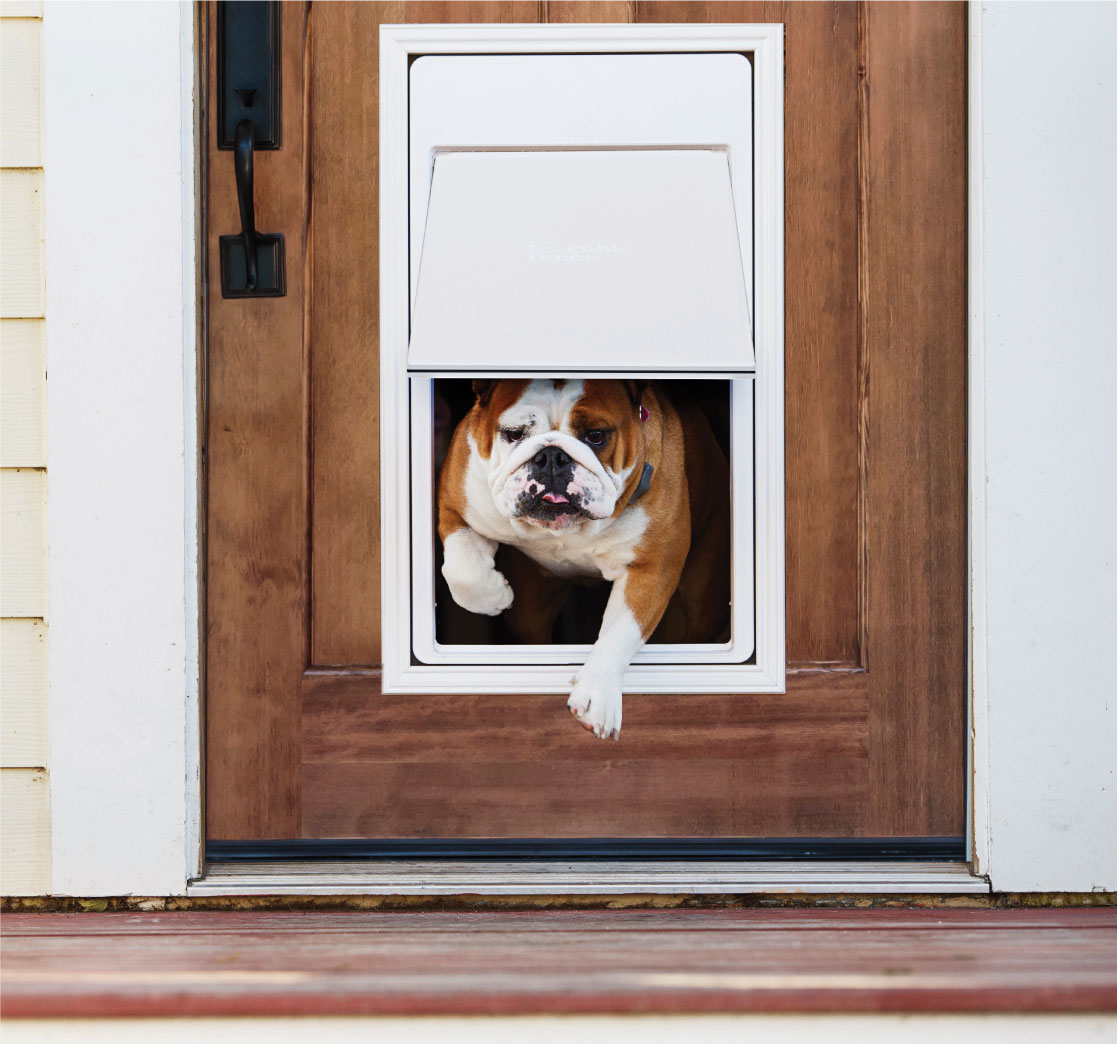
24	784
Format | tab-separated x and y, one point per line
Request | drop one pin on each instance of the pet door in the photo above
581	217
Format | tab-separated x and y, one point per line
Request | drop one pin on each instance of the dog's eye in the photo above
596	438
512	434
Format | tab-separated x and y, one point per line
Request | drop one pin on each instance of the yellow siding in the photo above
23	693
20	115
23	550
22	288
24	786
25	841
22	393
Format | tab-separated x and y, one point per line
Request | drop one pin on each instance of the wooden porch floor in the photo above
563	961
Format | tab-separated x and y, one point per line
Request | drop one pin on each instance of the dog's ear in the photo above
484	391
636	390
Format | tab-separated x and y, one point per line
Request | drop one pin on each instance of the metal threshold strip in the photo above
570	877
588	867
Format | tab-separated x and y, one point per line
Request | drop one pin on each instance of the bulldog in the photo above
604	479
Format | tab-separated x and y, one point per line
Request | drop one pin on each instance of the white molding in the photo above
192	127
628	877
1045	580
977	749
122	446
399	44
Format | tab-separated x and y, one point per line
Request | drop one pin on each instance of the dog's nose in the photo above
551	458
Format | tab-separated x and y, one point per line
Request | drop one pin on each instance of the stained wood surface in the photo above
868	740
822	316
511	766
257	488
214	963
915	305
343	313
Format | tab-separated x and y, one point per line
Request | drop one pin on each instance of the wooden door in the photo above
869	739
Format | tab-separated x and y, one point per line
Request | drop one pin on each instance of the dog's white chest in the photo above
605	553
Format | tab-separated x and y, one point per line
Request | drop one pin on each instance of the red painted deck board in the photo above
358	962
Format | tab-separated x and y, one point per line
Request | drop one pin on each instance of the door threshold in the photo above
569	877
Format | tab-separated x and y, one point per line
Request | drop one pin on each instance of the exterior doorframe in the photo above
124	473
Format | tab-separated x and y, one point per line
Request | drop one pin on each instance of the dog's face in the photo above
558	452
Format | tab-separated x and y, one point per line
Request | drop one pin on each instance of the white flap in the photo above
581	260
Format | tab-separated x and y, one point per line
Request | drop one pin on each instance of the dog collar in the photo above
644	484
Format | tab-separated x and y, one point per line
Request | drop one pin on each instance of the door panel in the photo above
868	740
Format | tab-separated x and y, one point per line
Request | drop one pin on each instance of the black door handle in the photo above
248	104
242	163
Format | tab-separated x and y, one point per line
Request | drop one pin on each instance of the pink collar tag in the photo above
644	414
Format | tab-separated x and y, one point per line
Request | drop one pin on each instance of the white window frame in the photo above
407	552
125	757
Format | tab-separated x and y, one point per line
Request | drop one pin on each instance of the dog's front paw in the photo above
488	594
596	702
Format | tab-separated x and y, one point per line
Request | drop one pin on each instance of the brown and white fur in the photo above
550	467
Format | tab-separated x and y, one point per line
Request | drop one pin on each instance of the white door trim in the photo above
977	751
123	475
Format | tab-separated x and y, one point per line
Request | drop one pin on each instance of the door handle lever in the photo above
248	119
252	264
242	164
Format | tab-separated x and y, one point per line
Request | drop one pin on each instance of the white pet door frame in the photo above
523	91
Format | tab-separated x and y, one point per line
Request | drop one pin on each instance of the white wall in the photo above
122	521
1049	232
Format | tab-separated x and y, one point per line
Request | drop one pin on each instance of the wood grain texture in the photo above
24	832
343	320
22	285
587	11
256	457
621	961
916	362
821	315
23	381
875	436
345	334
23	694
512	766
20	92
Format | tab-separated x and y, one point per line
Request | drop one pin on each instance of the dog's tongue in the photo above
555	498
